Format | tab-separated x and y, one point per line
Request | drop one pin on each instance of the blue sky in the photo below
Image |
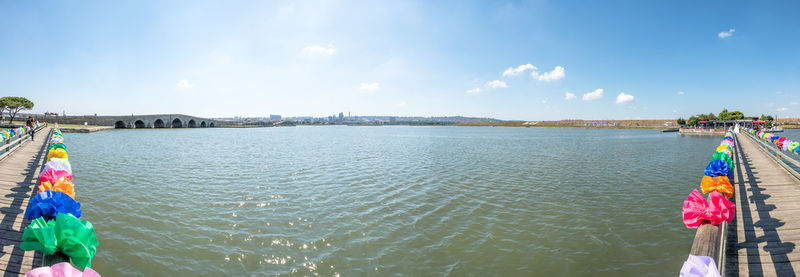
651	59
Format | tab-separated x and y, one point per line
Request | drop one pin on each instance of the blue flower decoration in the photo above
717	168
49	203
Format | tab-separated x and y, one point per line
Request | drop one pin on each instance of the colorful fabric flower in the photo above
62	185
699	266
724	157
52	175
717	168
64	269
720	184
50	203
57	146
66	234
65	162
697	210
55	165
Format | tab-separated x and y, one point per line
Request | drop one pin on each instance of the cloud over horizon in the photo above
184	84
318	50
594	95
557	73
511	71
569	96
624	98
497	84
370	86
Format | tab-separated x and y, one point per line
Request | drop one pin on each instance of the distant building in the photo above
274	117
341	116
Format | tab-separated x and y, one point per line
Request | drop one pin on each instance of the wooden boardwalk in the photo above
19	172
763	239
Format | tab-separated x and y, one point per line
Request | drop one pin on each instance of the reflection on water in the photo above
382	200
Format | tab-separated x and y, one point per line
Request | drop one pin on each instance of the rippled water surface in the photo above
388	200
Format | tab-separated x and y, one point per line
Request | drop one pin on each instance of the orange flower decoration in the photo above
62	185
720	183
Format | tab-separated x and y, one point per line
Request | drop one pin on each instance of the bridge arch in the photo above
139	124
177	123
202	124
119	124
158	123
211	124
191	124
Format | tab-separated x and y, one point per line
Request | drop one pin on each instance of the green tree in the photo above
766	118
723	115
711	116
681	121
14	104
735	115
693	120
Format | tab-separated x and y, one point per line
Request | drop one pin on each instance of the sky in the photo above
511	60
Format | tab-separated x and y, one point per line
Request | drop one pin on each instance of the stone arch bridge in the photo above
142	121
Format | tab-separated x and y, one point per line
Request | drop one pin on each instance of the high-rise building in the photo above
341	116
274	117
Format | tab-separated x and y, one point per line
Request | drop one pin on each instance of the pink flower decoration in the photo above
61	270
696	209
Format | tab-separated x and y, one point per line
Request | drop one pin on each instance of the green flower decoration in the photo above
57	145
724	157
66	234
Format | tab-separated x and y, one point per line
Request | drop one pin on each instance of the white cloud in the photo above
674	111
370	86
544	101
497	84
556	74
570	96
726	34
594	95
782	109
623	98
402	104
795	103
681	93
511	71
474	91
318	50
184	84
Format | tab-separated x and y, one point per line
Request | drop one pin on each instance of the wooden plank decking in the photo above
18	176
763	239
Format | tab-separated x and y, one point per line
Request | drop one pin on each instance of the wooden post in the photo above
706	241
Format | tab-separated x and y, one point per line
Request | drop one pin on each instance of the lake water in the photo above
379	201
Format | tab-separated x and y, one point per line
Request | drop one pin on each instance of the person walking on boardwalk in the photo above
30	123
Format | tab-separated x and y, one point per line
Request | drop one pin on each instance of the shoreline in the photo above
86	130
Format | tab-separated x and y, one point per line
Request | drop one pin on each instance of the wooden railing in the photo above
711	240
9	145
776	154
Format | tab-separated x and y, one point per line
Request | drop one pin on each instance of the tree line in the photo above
723	115
13	105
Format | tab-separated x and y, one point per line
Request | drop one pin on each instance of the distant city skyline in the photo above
514	60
